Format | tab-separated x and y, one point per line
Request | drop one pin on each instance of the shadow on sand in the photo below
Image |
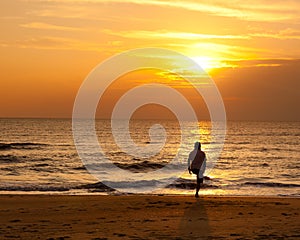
195	222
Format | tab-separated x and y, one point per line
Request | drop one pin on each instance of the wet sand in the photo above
148	217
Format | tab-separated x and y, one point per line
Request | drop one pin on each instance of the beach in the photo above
148	217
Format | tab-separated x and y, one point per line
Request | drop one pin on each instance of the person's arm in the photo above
189	164
204	165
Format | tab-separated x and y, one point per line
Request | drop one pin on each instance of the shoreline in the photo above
148	217
29	193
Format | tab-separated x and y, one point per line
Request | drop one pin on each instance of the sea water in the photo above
258	158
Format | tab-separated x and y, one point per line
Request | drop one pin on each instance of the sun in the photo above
205	62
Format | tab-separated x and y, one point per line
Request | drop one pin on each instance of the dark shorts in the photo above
196	171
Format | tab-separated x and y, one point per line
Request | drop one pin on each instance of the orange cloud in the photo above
47	26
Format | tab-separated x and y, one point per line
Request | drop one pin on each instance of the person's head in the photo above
198	145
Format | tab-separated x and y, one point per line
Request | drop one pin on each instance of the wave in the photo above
182	183
272	184
8	158
144	166
20	145
96	187
142	184
35	188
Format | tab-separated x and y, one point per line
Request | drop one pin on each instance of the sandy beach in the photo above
148	217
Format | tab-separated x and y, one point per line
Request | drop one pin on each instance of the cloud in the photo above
287	33
263	62
47	26
270	93
258	10
171	35
57	43
43	43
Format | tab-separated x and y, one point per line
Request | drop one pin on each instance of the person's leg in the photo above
199	182
198	186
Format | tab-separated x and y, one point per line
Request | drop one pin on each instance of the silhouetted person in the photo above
198	165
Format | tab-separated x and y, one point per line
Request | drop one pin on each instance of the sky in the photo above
251	49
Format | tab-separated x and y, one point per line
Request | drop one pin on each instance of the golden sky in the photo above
250	48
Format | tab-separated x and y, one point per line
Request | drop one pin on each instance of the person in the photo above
197	165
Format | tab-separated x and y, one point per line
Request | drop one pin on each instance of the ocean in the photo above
258	159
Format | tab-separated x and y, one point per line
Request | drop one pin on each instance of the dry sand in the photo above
148	217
